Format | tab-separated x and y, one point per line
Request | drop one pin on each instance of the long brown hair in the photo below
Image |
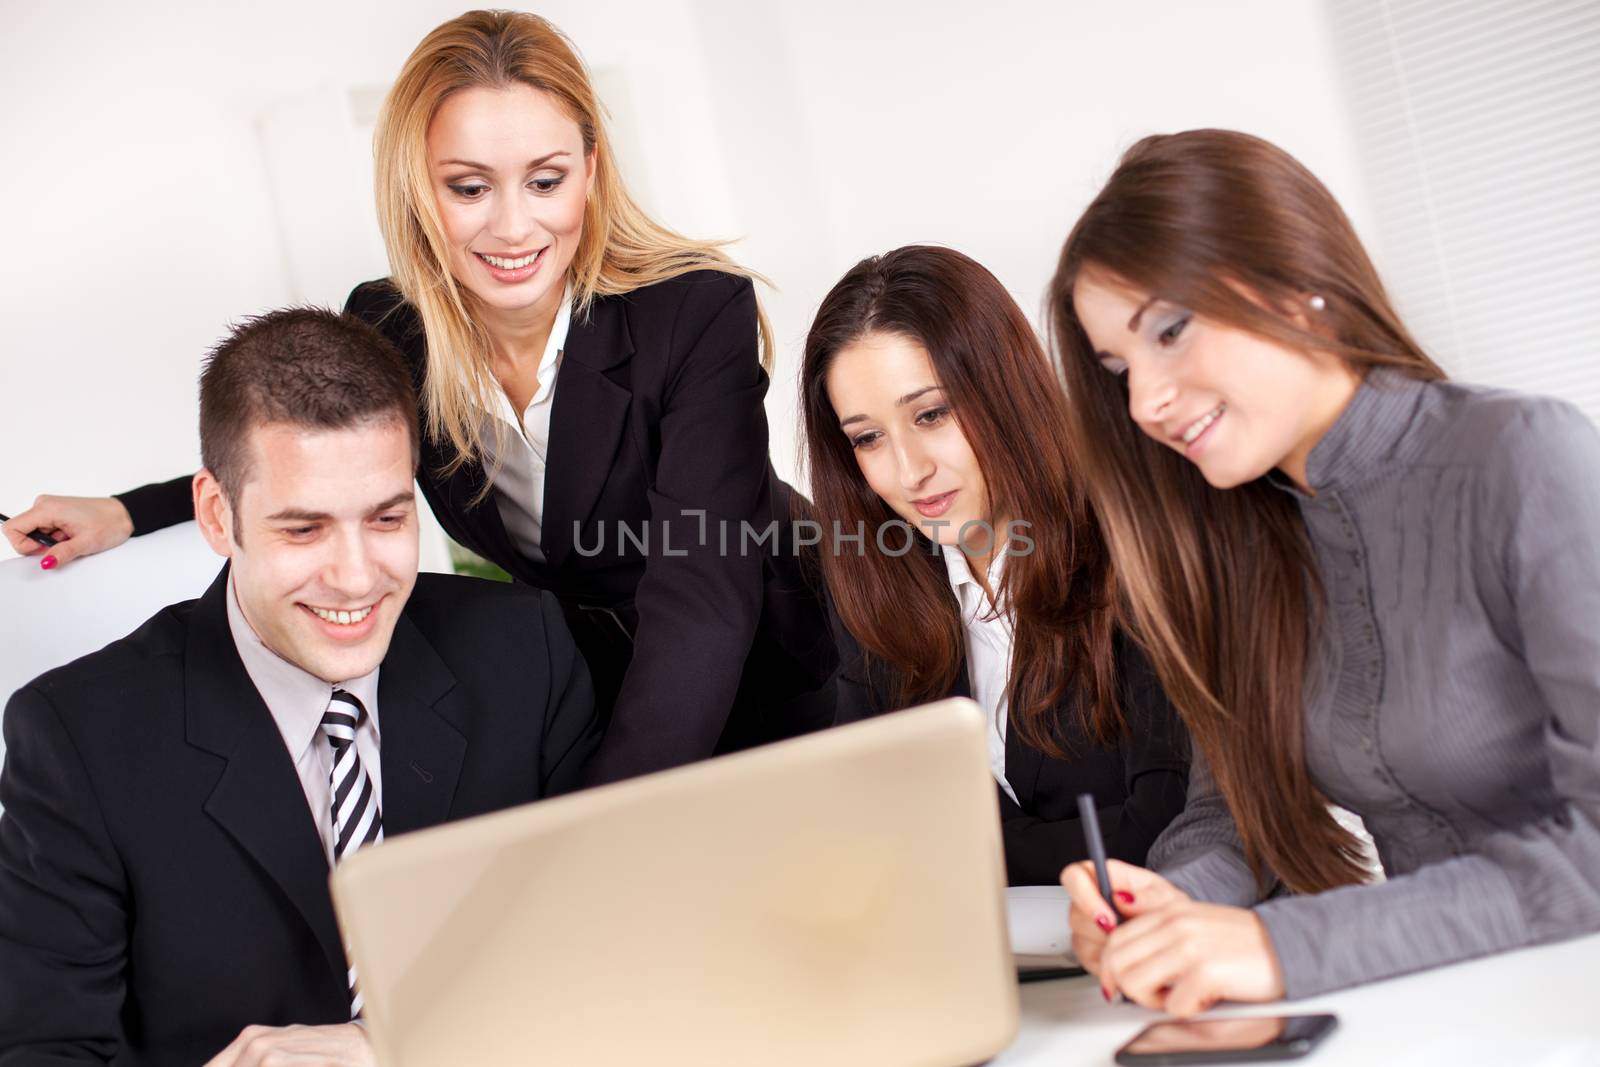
1221	586
622	248
1009	405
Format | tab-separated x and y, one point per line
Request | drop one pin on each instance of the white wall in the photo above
987	127
141	204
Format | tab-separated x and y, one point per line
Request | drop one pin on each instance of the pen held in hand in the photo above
1090	819
37	535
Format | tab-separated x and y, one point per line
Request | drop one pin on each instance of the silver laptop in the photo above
838	899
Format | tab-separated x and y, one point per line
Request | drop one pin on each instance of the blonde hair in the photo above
621	249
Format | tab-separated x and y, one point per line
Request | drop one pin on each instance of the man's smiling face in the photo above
323	541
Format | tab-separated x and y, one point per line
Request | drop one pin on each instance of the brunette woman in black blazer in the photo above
591	390
961	557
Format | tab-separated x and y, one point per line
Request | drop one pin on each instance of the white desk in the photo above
1539	1007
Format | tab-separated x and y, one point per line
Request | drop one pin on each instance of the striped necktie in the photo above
357	822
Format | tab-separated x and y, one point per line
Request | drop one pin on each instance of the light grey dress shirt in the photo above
297	701
1453	701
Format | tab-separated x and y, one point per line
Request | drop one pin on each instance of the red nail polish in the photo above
48	563
1104	923
1104	992
1123	896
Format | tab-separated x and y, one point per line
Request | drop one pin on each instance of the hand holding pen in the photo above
1106	892
37	536
66	527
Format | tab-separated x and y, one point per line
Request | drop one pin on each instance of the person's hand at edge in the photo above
1186	957
81	525
1091	918
343	1045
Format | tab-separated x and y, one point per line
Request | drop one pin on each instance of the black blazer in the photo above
1139	786
657	423
162	883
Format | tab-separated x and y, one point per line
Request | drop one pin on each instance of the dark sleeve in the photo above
380	305
571	731
159	504
1155	760
1037	849
854	698
697	606
63	894
1155	764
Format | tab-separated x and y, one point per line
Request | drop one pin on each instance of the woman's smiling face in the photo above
907	443
1233	403
510	180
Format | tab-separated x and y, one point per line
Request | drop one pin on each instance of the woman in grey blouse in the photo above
1360	583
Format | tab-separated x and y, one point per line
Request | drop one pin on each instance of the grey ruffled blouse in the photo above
1454	697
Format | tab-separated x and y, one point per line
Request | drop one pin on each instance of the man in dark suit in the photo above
173	803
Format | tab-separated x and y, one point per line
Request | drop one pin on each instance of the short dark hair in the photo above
306	367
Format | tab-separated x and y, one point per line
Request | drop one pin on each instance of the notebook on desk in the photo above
838	899
1041	939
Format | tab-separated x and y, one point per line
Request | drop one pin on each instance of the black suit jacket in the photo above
162	883
657	423
1139	786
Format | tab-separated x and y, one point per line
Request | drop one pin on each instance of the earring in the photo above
1317	303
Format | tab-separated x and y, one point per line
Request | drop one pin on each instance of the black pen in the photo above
38	535
1097	849
1097	852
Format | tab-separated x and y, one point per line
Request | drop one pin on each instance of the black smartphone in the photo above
1246	1039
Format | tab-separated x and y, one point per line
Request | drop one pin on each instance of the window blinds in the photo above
1478	124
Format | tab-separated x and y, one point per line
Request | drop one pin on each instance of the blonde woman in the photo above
591	390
